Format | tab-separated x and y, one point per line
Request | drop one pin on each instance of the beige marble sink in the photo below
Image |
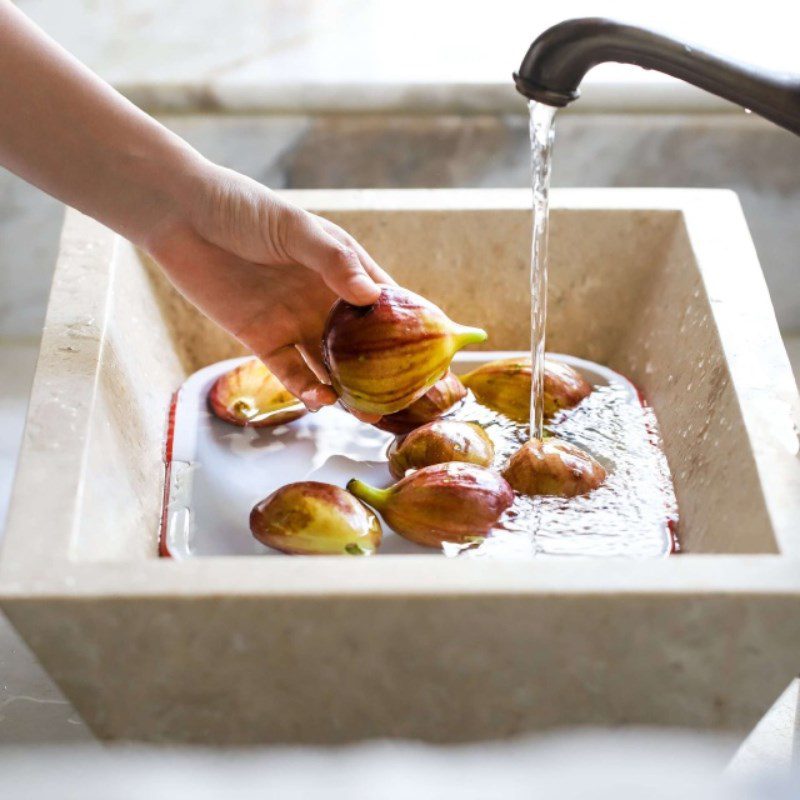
663	286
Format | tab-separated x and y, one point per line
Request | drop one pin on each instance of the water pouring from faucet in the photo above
550	77
541	133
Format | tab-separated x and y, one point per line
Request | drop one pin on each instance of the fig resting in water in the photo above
439	442
312	518
450	502
553	467
505	386
438	400
383	357
250	395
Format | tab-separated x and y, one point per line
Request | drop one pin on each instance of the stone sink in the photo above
661	285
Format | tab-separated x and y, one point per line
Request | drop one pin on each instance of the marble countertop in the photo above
333	56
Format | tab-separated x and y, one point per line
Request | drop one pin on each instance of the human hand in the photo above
261	268
266	271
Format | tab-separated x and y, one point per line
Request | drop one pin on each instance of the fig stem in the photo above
377	498
465	336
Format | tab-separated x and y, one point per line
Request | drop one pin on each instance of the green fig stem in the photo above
377	498
465	336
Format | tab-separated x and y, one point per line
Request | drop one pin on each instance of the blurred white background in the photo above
364	93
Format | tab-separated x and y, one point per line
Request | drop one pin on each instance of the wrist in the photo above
165	182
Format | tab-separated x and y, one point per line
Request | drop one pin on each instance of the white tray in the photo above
216	472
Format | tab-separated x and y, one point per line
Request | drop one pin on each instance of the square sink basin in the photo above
663	286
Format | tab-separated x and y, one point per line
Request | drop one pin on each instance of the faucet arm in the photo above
557	61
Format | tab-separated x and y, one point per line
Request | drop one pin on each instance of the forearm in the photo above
70	134
263	269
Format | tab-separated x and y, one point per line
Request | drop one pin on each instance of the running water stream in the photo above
542	132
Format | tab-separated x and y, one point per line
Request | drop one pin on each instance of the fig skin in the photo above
438	400
439	442
312	518
505	386
451	502
553	467
383	357
251	396
564	386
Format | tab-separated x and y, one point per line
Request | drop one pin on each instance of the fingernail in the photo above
314	399
310	400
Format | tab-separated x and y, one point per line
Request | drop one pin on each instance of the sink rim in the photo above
47	569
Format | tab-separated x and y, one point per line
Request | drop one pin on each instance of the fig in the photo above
554	467
564	386
250	395
312	518
451	502
505	386
438	400
439	442
383	357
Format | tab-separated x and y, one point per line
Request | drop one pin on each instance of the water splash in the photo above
634	513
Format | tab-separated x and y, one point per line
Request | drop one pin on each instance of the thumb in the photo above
337	263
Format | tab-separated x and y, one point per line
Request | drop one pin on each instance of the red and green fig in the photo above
438	400
505	386
553	467
312	518
250	395
450	502
439	442
564	386
383	357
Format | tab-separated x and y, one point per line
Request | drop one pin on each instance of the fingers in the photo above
381	276
294	373
367	261
336	262
312	355
301	371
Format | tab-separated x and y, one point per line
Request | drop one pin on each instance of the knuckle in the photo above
344	257
295	217
286	227
346	237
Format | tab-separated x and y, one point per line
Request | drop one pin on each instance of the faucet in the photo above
557	61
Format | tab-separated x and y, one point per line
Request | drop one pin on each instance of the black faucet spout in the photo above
557	61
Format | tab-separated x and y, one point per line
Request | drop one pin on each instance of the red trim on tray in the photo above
163	548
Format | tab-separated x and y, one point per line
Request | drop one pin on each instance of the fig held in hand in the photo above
442	503
438	400
383	357
250	395
553	467
439	442
505	386
312	518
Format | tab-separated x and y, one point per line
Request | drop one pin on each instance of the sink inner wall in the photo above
625	290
